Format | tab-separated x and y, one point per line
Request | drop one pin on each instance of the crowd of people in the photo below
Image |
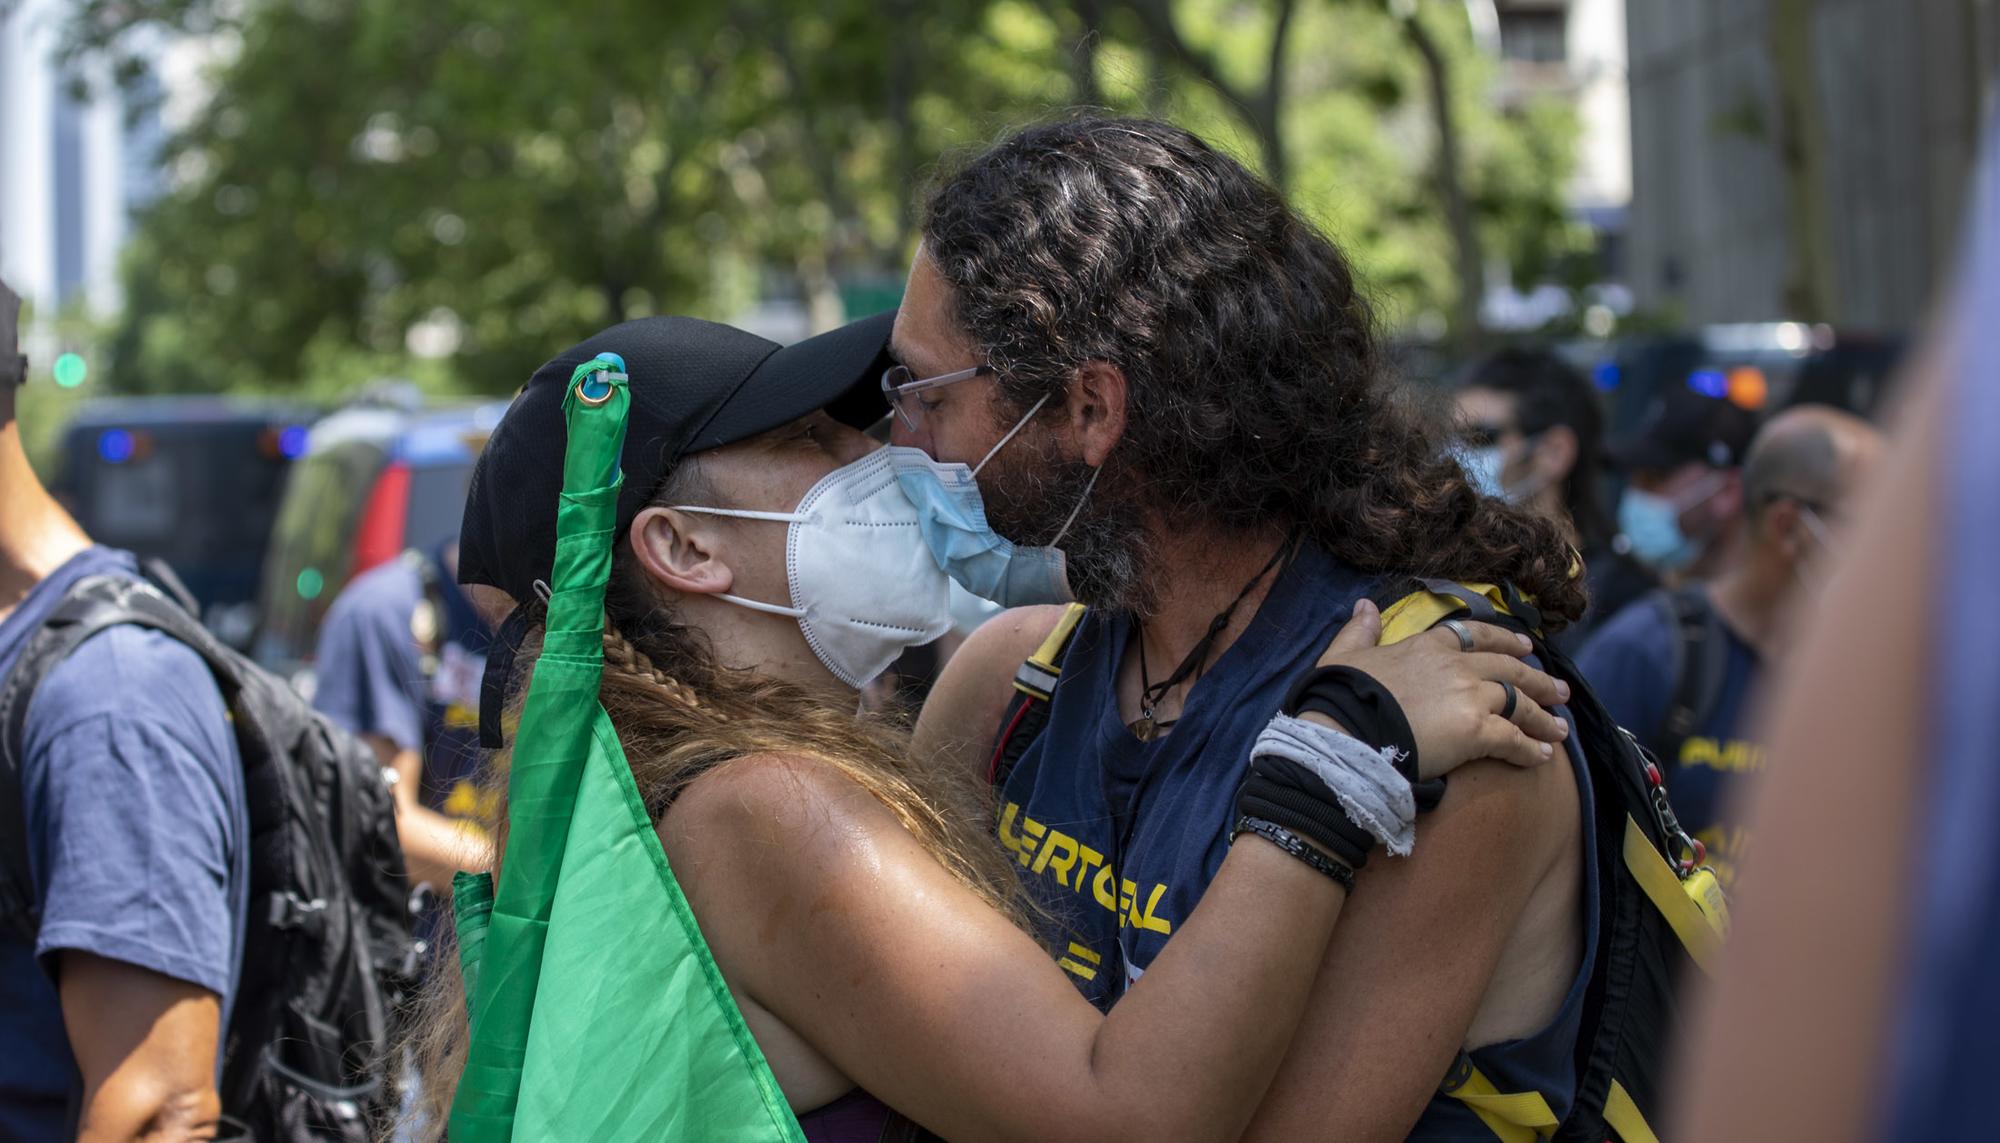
1282	799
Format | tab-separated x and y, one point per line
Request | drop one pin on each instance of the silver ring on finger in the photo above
1513	699
1464	633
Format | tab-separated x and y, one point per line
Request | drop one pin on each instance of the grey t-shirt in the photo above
138	836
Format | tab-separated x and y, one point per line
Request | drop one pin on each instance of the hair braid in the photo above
622	655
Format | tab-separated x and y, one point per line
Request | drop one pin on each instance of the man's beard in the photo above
1029	494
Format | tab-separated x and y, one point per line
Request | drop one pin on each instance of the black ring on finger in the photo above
1465	640
1513	699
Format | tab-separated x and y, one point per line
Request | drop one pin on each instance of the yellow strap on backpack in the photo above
1517	1117
1422	610
1037	677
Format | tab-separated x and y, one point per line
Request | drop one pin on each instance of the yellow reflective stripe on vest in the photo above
1650	869
1045	665
1623	1117
1523	1117
1420	611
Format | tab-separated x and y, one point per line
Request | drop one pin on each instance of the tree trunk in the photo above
1812	286
1465	327
1262	110
1083	57
903	65
824	310
1268	112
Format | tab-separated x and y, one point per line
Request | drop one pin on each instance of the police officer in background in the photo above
1680	669
399	661
1535	437
1683	501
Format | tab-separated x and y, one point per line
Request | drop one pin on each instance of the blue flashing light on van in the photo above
115	446
1709	383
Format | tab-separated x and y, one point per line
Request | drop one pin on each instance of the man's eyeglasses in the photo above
901	387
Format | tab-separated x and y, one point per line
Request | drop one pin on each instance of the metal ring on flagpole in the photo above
602	378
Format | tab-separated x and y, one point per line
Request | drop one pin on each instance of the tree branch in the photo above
1158	18
1451	182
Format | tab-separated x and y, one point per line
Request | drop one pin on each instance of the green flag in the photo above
597	1011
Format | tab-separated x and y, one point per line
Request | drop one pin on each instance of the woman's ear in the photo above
1097	410
679	551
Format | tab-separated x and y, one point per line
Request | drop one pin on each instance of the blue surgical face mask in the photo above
953	520
1653	525
1482	469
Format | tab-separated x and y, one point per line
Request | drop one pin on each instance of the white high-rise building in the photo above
73	165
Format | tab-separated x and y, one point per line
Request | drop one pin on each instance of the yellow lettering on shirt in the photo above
1732	756
1058	842
466	800
1050	852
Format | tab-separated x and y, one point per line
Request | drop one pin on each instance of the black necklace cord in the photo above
1151	692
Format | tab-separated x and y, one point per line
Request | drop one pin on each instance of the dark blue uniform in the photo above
1119	838
1629	663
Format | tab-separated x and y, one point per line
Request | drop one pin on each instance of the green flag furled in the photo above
597	1011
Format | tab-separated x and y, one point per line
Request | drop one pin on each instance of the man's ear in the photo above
679	551
1782	523
1097	410
1555	453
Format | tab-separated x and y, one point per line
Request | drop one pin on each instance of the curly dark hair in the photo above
1257	390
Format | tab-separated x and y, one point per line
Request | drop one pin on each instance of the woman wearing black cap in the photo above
872	932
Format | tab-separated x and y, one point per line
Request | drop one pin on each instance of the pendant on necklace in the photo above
1147	727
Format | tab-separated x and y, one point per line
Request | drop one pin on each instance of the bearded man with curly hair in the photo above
1181	380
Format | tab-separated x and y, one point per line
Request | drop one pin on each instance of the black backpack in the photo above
1660	910
1700	666
327	952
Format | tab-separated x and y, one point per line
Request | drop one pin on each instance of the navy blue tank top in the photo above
1118	838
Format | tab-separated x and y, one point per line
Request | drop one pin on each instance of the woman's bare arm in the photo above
826	912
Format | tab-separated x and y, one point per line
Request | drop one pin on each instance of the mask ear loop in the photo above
1018	426
742	513
750	514
1078	510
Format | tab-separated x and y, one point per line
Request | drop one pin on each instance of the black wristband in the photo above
1282	791
1291	843
1363	707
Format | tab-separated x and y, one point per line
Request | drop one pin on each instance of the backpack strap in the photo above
1440	599
91	605
1034	685
1643	852
1701	666
1513	1117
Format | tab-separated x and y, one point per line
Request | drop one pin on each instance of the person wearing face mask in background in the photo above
1680	669
1683	500
1535	434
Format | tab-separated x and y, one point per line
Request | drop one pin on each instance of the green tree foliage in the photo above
510	174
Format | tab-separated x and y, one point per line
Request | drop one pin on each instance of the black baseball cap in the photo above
695	385
1682	425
